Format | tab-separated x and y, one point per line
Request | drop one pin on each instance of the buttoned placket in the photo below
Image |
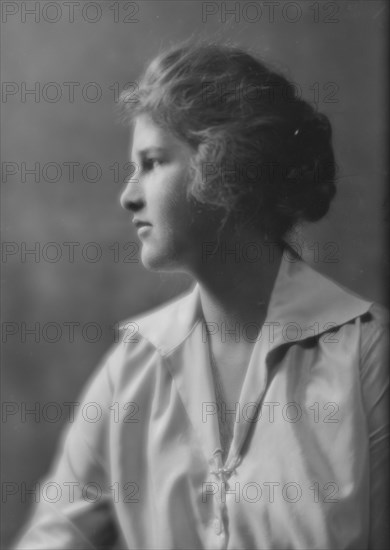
221	476
196	387
252	391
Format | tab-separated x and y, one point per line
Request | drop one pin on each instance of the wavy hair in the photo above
262	154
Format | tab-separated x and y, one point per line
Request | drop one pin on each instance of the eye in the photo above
150	164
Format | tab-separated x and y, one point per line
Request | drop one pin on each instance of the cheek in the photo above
171	203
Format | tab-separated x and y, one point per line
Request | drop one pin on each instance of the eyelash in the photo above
148	164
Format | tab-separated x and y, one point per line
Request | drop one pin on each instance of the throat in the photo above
228	372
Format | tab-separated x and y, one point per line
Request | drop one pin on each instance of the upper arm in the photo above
375	390
75	505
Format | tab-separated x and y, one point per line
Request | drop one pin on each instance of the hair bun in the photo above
310	183
316	125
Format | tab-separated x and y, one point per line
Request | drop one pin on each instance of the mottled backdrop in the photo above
69	255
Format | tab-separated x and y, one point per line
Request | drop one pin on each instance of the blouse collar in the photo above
303	303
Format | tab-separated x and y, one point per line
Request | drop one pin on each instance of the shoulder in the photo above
374	334
374	370
142	340
168	325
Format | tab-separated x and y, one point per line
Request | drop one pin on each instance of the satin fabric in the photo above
307	467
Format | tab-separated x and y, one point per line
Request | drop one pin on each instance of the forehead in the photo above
147	135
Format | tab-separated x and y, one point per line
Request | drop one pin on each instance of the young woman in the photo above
250	413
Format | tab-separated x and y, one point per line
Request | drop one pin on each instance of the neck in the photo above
236	279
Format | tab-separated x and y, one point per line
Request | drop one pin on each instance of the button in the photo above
218	526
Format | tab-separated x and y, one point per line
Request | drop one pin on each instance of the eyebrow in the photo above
149	150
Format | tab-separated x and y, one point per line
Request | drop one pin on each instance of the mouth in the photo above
142	227
139	224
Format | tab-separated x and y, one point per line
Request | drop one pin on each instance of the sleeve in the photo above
75	508
375	389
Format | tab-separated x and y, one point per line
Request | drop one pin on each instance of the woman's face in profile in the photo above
176	229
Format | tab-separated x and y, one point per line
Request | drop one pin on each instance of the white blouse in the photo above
140	467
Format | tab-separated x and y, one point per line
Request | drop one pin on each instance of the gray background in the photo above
334	51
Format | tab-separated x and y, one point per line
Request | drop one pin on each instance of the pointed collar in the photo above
303	303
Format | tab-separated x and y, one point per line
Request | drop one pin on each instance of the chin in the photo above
159	261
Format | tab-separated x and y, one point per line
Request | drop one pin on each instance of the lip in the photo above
140	223
143	229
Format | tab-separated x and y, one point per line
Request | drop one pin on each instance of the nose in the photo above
132	197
